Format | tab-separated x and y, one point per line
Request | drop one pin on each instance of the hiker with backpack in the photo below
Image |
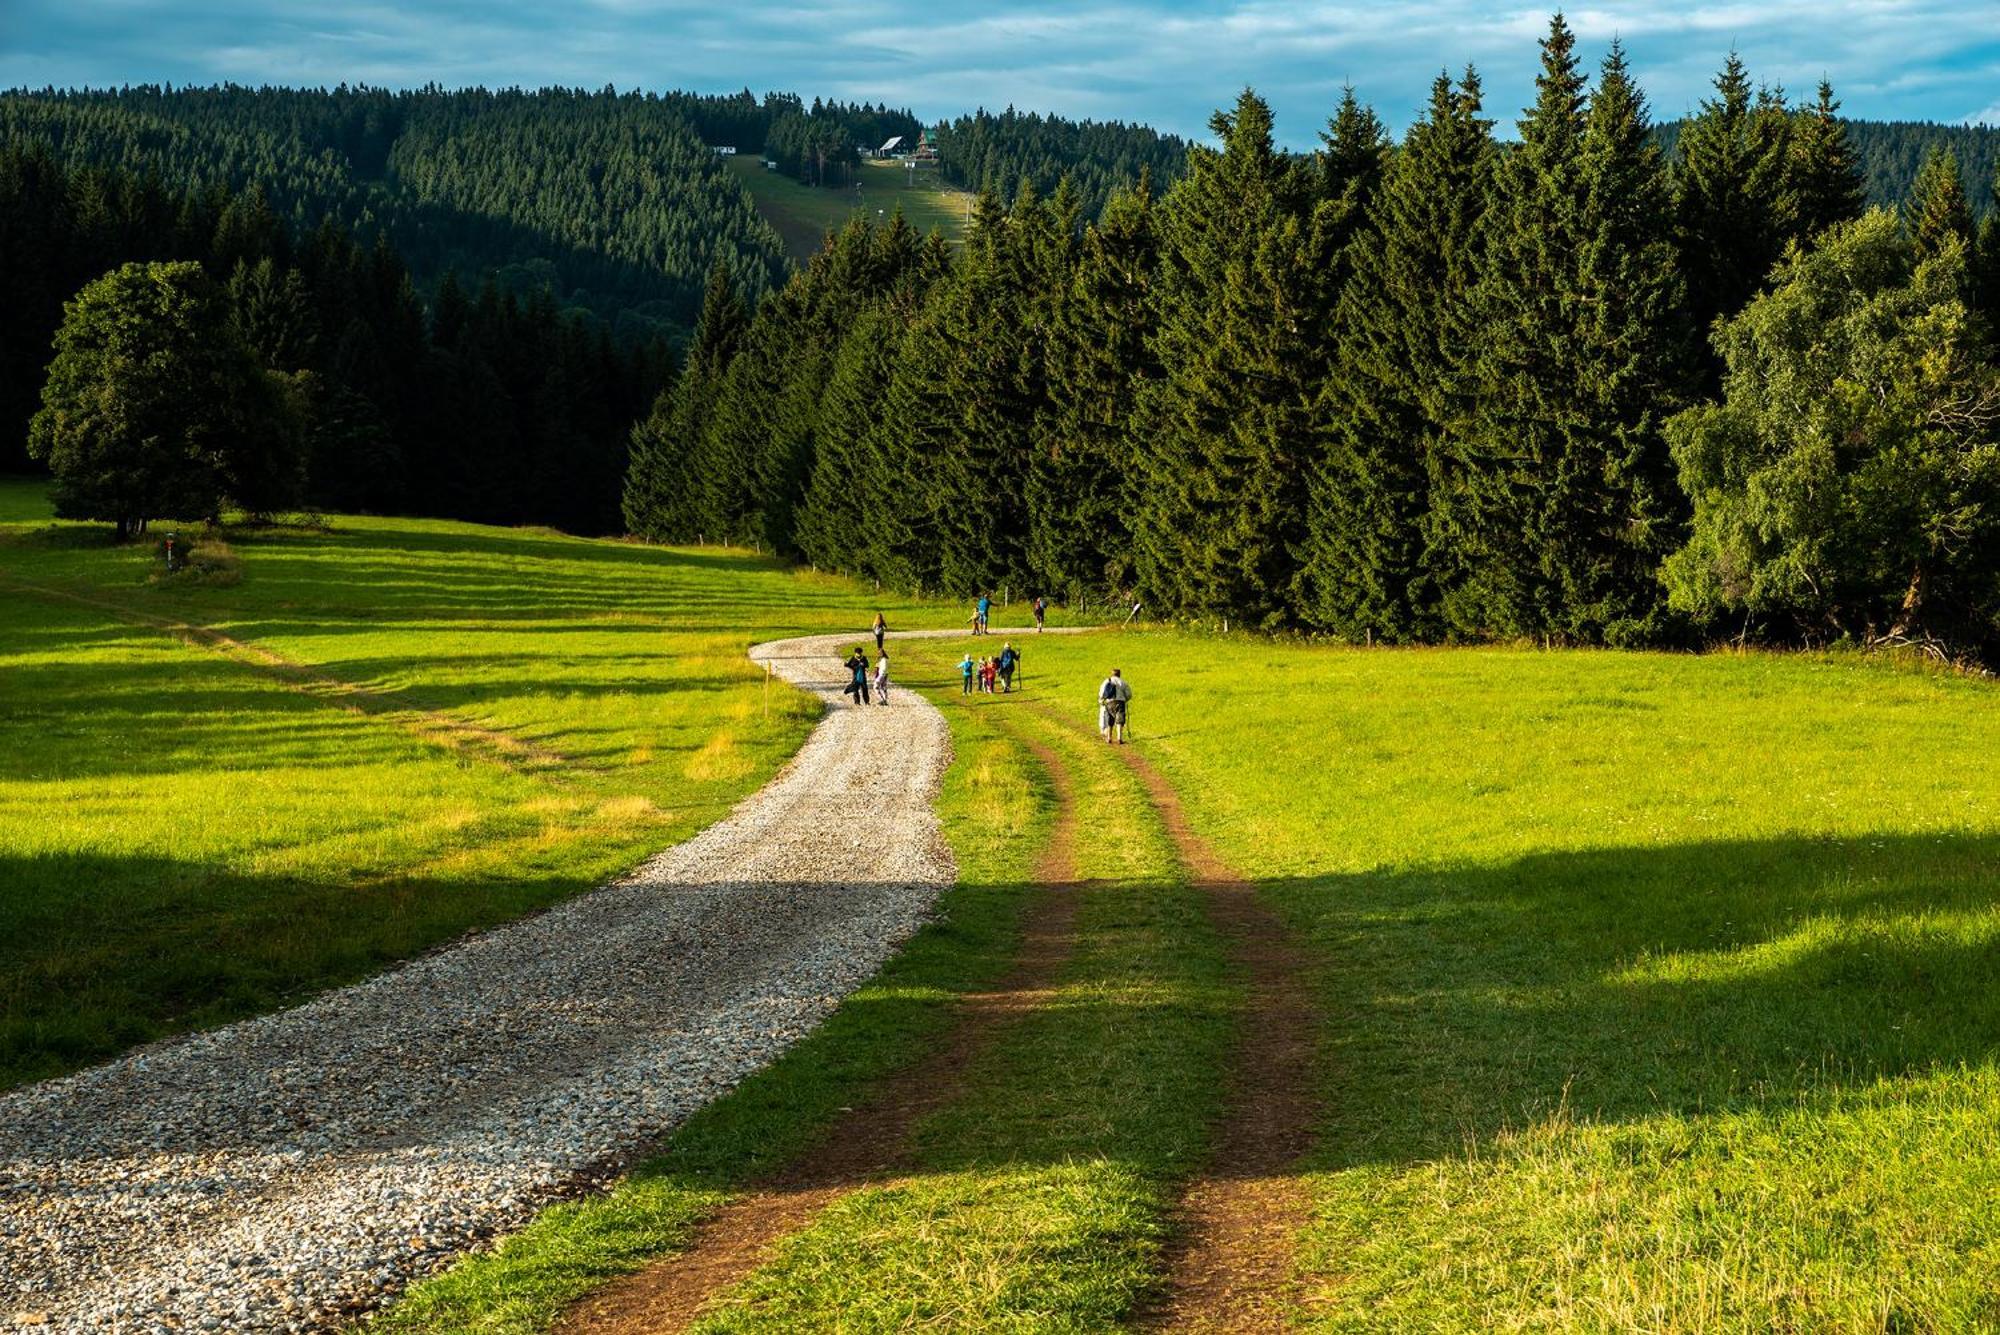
1114	703
1010	659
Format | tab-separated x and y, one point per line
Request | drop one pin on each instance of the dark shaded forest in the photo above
486	406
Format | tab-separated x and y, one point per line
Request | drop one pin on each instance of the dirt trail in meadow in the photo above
1230	1268
871	1142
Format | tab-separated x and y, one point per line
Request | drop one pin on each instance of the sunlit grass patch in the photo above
477	722
719	758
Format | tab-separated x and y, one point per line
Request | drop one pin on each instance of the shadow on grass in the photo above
1625	983
1616	984
98	953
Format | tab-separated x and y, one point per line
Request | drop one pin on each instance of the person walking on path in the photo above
857	667
1114	700
985	613
882	680
881	629
966	667
1041	612
1010	659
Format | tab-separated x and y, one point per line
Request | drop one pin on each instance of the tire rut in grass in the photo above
1231	1265
871	1143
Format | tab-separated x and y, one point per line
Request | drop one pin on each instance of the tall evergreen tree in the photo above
980	354
1939	215
1985	279
1079	489
1555	505
1226	430
1731	195
670	486
1397	366
1826	184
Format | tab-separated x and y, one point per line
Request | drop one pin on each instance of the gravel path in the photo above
284	1172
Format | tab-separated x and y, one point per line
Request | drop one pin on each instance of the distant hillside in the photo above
1892	151
613	202
1001	151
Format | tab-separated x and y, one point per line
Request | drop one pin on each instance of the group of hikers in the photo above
982	611
990	671
1114	694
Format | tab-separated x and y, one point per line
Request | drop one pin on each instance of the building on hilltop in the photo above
888	150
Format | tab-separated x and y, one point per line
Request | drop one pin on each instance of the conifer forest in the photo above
1567	375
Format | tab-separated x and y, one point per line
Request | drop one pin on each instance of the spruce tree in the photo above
978	352
1731	198
1226	435
672	488
1079	487
1825	185
1552	508
1393	389
1938	215
1985	280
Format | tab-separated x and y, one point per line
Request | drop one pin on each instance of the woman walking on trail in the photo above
881	629
857	668
882	680
1041	612
1114	698
985	612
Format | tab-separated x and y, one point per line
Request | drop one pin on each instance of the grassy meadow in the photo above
804	214
1660	992
415	729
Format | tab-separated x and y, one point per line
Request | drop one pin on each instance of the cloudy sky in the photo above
1168	62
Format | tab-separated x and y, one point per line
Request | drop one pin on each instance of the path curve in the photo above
286	1172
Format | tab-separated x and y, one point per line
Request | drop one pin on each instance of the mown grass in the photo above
491	720
1661	992
995	810
804	214
1039	1198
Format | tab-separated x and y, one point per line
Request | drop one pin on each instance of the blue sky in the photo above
1165	62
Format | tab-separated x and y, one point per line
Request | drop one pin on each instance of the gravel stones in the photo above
288	1172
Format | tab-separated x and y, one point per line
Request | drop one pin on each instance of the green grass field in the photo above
1658	992
804	214
431	727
